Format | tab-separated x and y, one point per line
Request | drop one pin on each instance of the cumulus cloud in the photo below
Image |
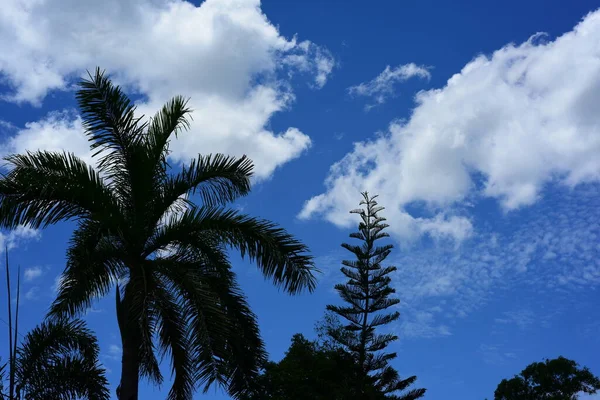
383	86
224	54
58	131
503	128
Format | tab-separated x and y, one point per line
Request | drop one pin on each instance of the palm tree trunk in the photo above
130	372
130	366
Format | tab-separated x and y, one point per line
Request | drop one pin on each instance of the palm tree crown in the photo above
59	360
137	230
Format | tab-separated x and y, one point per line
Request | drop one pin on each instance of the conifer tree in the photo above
367	294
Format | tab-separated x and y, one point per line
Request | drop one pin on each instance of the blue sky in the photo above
480	134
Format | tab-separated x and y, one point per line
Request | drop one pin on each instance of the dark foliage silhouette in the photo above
367	294
557	379
138	230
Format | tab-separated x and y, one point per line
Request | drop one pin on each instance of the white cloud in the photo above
32	273
224	54
311	58
325	63
17	236
382	87
504	127
58	131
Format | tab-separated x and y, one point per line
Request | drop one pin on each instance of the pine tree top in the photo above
367	294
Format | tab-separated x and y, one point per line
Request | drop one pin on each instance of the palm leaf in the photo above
278	254
109	119
218	179
171	119
93	266
173	333
59	360
43	188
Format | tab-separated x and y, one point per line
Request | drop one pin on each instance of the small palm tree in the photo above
59	360
56	360
137	230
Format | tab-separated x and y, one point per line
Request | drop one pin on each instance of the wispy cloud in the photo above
552	246
18	236
522	318
32	273
32	293
382	87
113	353
495	354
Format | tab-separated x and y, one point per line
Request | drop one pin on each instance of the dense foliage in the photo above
310	371
557	379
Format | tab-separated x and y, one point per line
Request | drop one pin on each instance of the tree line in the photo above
165	258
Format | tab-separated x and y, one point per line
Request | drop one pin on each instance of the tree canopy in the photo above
556	379
310	370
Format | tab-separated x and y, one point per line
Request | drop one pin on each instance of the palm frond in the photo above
70	378
149	367
93	266
173	333
218	179
245	347
114	132
171	119
278	254
208	322
109	119
44	187
59	359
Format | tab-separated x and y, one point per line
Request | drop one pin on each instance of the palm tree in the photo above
138	231
56	360
59	360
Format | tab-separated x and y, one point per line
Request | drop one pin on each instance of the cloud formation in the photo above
12	239
383	86
551	249
224	54
503	128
